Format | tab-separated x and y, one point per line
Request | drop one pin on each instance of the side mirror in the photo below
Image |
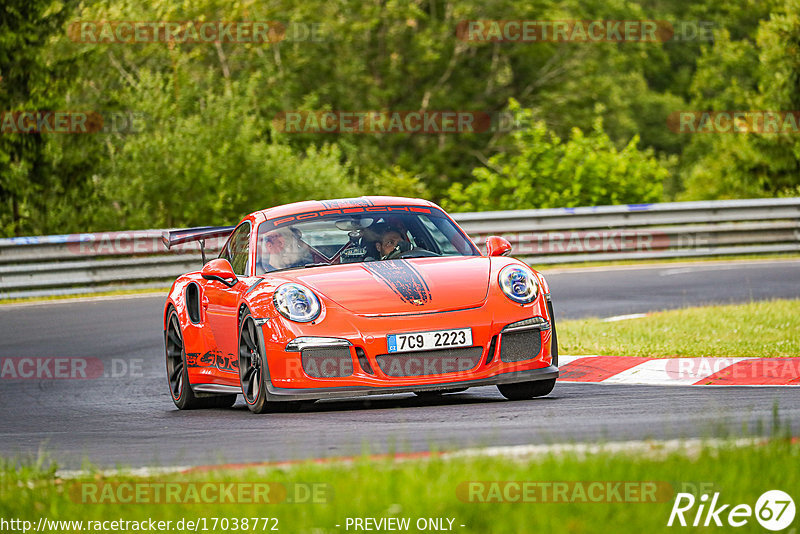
497	246
219	269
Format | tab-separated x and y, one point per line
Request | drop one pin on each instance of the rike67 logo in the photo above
774	510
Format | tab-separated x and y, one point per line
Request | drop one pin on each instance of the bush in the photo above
539	170
209	164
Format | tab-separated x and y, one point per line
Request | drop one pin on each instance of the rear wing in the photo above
201	233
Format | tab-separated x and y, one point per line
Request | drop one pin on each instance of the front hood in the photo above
391	287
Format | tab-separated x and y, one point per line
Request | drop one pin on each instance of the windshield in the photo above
367	236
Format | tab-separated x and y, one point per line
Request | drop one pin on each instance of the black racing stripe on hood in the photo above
403	279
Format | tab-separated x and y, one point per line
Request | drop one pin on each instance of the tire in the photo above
527	390
180	388
429	394
252	371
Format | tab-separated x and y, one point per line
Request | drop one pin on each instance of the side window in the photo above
446	246
237	251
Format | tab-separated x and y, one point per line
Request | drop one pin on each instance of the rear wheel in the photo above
178	375
253	371
527	390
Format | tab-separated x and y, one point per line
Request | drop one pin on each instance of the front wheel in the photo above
253	373
527	390
178	375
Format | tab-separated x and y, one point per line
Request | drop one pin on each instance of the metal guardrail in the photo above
643	231
86	263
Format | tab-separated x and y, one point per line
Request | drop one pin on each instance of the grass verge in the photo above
757	329
593	496
117	292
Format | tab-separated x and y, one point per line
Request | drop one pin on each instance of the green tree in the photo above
209	151
541	171
406	56
206	160
43	181
758	72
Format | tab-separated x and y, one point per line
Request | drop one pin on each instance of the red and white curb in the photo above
680	371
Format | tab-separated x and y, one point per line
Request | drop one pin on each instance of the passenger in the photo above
283	249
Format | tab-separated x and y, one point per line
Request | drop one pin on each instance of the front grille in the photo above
334	362
430	362
520	346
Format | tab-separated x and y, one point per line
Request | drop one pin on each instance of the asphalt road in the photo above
605	292
127	417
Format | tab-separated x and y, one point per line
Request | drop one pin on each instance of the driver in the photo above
390	244
282	249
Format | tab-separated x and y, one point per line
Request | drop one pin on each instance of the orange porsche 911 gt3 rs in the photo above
342	298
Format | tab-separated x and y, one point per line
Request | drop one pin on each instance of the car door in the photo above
222	310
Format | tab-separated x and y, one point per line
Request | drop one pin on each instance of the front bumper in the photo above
290	394
363	341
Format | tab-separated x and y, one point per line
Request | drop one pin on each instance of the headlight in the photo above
296	303
518	284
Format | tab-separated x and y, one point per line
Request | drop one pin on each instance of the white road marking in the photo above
616	318
133	472
701	268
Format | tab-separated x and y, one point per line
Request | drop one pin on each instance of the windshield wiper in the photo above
307	265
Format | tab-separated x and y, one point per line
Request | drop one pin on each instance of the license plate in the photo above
437	339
